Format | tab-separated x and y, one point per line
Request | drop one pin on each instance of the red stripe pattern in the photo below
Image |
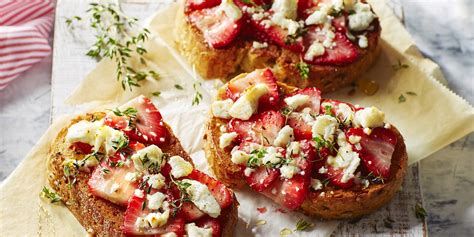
24	30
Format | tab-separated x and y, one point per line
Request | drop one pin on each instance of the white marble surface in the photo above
443	32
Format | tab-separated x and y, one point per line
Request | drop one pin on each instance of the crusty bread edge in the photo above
335	203
99	216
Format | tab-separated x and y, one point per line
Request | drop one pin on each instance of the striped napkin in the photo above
24	30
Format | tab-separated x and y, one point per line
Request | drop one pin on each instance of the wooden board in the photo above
70	65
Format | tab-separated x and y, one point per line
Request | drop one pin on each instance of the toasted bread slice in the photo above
327	203
240	56
99	216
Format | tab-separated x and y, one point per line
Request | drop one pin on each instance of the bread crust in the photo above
99	216
240	56
333	203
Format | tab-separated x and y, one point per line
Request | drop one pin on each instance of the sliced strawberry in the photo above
135	211
219	30
236	88
148	125
335	177
192	5
289	193
209	222
262	177
377	149
223	195
136	146
114	121
314	98
340	24
306	157
105	178
81	147
264	126
343	52
277	34
333	108
301	129
190	212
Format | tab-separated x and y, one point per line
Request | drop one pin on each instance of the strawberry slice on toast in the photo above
377	149
218	28
261	128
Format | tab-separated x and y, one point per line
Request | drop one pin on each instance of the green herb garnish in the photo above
402	99
399	65
411	93
197	94
50	195
71	20
303	225
178	86
113	41
303	70
156	93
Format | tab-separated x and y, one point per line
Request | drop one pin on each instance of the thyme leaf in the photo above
50	195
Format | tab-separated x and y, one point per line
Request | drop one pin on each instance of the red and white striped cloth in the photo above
24	30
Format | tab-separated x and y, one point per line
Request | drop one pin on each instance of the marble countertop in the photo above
447	179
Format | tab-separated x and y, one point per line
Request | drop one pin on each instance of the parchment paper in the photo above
429	121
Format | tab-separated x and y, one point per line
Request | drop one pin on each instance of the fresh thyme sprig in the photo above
197	94
113	41
50	195
183	195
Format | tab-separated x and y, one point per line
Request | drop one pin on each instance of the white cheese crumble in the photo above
132	176
180	167
296	101
369	118
325	126
156	219
96	134
272	156
139	193
353	139
288	171
323	170
258	45
316	49
226	139
170	234
247	104
248	171
361	18
155	200
285	8
230	9
285	135
220	108
156	181
346	158
194	231
239	157
316	184
293	149
146	157
363	42
202	198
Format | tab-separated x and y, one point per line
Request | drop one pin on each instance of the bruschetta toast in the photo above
124	173
326	158
307	43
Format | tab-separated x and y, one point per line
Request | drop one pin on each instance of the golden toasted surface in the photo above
240	56
98	215
334	203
